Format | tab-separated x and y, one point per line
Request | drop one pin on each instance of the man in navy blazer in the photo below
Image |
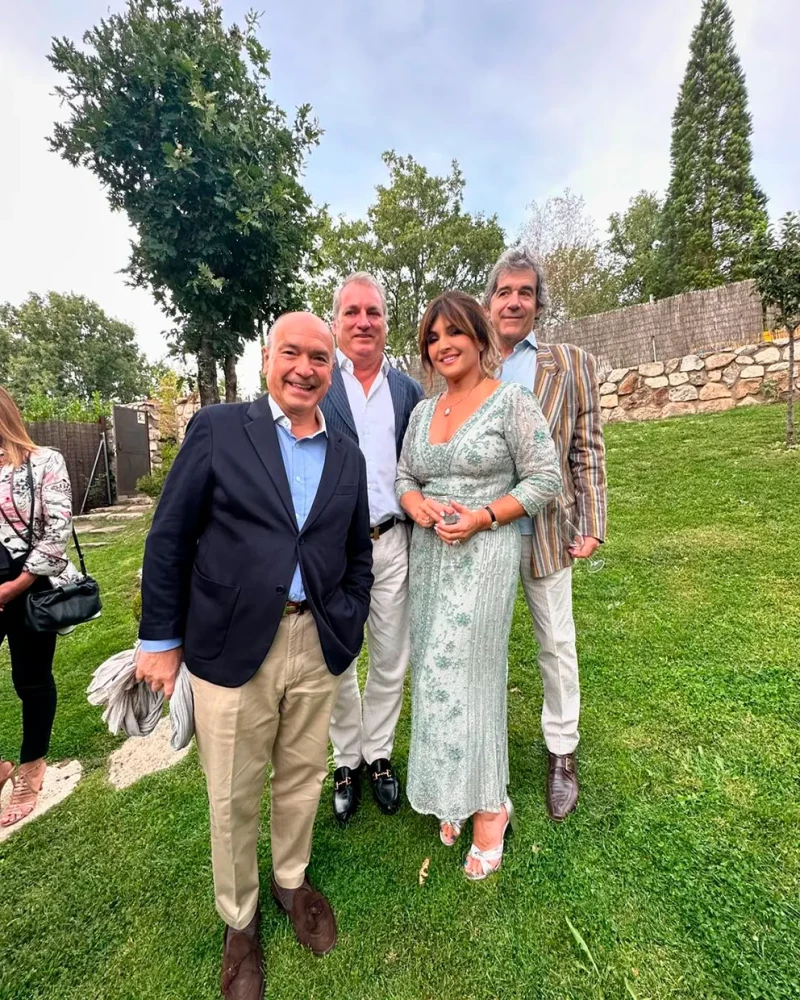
257	573
370	401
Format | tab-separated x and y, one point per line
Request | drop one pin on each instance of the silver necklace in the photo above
466	394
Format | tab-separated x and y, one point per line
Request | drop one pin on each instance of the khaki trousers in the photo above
280	716
550	603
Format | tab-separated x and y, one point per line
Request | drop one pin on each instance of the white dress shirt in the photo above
373	415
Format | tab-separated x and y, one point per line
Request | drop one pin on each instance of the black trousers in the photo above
32	674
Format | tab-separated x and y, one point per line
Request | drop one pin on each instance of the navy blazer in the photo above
406	393
224	545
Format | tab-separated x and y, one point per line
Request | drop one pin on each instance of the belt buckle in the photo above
292	608
374	533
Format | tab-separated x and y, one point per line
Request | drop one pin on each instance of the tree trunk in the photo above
791	440
207	375
261	340
229	367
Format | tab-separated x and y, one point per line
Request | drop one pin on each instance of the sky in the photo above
529	96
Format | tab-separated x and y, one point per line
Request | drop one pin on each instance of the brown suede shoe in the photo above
243	962
562	785
311	915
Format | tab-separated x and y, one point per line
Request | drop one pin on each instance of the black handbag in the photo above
50	609
70	604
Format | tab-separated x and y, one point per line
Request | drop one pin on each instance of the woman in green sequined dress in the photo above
481	450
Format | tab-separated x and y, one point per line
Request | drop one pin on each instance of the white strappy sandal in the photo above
455	826
491	859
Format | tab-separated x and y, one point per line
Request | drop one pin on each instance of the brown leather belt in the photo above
379	529
295	607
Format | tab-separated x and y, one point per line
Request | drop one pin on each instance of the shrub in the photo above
153	483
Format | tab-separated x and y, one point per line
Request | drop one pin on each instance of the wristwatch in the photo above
494	525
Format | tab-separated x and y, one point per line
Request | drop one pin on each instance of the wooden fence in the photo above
669	328
79	444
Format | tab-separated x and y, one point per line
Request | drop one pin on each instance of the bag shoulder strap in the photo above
33	509
79	551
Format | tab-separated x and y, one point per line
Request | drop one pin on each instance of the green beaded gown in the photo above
462	598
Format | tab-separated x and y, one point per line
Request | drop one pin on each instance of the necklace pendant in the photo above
447	412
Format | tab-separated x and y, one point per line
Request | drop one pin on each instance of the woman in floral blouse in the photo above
35	493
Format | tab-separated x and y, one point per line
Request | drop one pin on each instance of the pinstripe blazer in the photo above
406	393
566	386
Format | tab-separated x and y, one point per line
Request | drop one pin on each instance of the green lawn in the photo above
679	873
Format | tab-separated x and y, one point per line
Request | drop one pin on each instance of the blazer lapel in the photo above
548	384
337	394
331	471
264	438
397	390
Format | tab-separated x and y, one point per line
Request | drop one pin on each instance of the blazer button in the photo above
301	541
280	590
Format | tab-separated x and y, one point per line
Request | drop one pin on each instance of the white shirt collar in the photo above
280	418
346	364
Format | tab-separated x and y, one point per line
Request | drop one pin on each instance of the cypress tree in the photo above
714	206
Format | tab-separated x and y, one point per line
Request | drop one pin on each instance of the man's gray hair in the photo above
359	278
518	258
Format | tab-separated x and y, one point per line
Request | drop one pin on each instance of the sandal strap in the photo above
486	859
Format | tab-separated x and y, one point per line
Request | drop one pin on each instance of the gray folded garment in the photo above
133	708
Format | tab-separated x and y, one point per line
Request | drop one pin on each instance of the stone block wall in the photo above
704	382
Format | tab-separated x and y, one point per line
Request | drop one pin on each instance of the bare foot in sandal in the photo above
27	785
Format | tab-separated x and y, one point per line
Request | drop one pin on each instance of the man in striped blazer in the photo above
370	402
564	378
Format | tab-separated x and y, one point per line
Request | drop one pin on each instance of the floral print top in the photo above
52	520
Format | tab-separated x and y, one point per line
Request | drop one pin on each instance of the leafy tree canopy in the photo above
416	239
67	347
169	109
714	205
633	245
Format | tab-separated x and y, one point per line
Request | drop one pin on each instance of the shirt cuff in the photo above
159	645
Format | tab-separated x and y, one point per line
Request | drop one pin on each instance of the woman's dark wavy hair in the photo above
467	316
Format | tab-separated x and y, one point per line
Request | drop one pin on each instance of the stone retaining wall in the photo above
706	382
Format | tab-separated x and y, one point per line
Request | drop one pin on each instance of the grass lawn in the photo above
677	878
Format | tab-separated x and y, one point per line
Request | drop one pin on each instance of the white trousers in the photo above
550	602
366	731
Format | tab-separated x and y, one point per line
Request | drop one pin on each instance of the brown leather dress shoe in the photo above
562	785
243	963
311	915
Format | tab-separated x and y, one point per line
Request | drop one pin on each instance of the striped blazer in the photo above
406	393
566	386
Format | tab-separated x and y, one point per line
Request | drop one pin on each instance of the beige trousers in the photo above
550	603
280	716
363	729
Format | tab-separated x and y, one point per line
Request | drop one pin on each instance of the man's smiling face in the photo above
298	362
360	326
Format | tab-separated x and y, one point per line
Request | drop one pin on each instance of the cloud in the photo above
529	97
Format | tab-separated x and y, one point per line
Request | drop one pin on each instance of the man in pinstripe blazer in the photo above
370	402
564	378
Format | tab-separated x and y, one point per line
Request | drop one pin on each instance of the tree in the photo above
579	277
417	240
633	245
169	110
66	347
713	204
777	275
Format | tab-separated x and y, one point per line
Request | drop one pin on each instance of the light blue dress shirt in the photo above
520	366
303	460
